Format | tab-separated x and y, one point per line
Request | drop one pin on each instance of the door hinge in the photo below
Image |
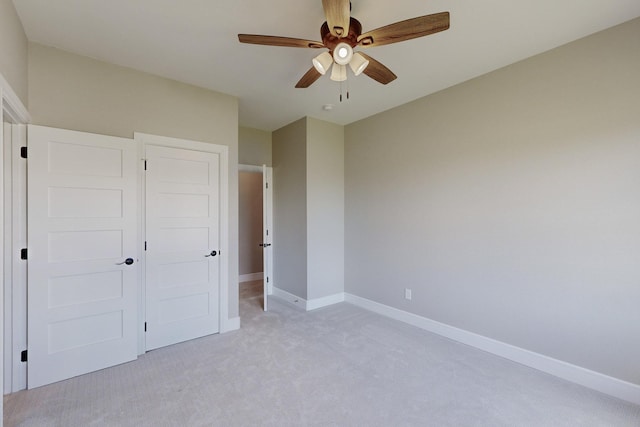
267	232
145	246
145	326
267	184
145	165
23	253
23	152
267	279
23	356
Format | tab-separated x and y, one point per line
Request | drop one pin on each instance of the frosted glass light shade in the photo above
358	63
339	73
342	53
322	62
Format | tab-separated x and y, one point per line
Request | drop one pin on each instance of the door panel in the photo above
82	305
182	233
98	203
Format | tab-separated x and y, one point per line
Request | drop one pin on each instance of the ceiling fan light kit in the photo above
339	72
323	62
341	33
358	63
342	53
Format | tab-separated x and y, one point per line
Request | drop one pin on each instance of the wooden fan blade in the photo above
377	71
309	78
278	41
338	14
406	30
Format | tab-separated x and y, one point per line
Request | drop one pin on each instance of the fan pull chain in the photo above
341	91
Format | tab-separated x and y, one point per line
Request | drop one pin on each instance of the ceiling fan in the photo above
341	33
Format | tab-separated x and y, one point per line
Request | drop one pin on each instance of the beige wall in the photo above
13	50
325	208
510	204
308	200
254	147
250	222
290	208
74	92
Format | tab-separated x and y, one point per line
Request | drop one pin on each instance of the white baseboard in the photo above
594	380
316	303
307	305
232	324
290	298
250	277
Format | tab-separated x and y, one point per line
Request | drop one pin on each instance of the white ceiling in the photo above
195	41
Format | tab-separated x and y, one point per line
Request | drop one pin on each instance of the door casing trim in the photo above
14	377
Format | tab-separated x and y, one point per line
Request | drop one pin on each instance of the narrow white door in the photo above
266	232
182	244
82	253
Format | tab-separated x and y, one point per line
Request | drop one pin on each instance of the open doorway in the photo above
255	234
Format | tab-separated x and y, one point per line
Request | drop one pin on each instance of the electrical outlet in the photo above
407	294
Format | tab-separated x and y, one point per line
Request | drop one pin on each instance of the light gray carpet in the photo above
337	366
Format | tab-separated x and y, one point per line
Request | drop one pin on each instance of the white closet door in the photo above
183	244
82	295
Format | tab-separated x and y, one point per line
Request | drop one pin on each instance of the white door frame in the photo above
13	309
144	139
15	274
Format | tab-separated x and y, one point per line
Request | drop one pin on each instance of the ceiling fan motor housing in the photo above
330	41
